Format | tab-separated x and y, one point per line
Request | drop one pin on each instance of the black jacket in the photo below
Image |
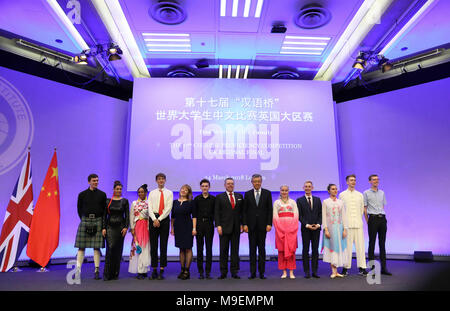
229	219
258	217
308	216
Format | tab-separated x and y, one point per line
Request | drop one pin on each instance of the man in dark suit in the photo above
257	221
228	212
310	216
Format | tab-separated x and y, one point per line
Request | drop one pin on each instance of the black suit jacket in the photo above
258	217
308	216
225	216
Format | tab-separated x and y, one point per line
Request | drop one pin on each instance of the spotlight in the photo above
81	59
113	57
360	62
385	64
113	52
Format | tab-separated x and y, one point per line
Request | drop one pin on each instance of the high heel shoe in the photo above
186	275
181	274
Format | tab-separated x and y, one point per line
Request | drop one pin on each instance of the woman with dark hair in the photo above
140	246
334	223
115	227
183	227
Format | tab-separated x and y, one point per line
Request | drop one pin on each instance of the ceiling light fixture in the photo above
246	71
362	22
118	28
220	71
292	46
237	71
223	7
167	42
307	38
259	8
229	72
246	10
301	48
300	53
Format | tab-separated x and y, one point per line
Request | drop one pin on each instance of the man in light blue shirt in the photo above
374	203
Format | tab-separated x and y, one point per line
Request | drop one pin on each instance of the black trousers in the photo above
377	226
257	239
162	232
205	235
310	237
225	241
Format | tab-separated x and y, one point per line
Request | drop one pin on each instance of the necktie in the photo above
309	201
161	203
232	200
257	197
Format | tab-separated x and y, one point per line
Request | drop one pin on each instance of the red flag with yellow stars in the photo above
44	230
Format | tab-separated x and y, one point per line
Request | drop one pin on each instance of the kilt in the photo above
84	240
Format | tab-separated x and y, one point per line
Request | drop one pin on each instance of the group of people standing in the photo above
155	215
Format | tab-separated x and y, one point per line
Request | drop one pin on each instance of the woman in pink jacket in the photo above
285	220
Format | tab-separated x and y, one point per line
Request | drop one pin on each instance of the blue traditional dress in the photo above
333	218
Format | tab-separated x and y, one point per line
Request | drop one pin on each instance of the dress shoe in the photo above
201	276
235	276
283	276
385	272
154	275
316	276
262	277
339	275
161	274
307	276
222	276
292	276
252	276
362	272
344	272
208	276
97	275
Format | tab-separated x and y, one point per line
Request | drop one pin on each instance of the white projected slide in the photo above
191	129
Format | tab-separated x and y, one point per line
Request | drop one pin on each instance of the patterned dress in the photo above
334	218
140	249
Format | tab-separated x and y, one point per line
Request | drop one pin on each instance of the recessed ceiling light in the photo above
238	11
307	38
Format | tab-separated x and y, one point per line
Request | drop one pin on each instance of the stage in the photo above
407	276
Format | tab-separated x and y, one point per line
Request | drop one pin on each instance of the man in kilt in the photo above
91	209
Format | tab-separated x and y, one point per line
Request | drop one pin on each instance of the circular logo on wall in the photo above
16	126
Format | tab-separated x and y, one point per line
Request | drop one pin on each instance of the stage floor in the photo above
407	275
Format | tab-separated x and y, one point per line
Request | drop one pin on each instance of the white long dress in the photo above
139	220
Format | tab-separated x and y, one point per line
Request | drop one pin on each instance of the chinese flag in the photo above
44	231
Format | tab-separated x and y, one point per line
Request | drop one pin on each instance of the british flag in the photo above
17	221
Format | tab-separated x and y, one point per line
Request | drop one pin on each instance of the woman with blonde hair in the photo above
183	227
285	220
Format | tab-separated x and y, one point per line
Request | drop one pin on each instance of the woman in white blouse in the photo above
334	224
285	220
